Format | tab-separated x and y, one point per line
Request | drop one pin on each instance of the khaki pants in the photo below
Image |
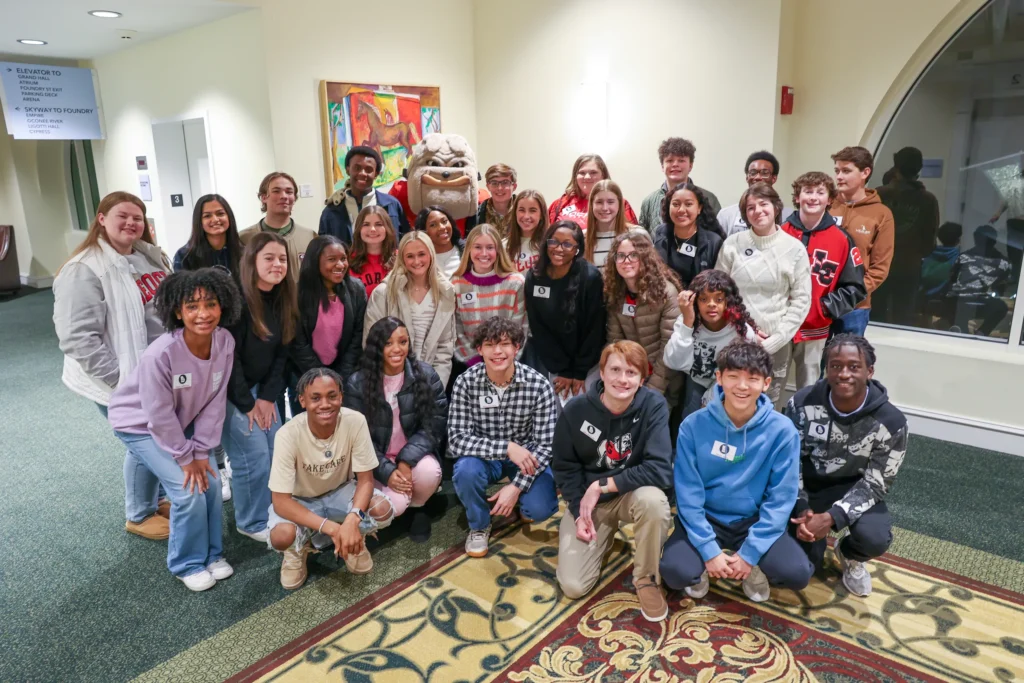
780	374
806	356
579	564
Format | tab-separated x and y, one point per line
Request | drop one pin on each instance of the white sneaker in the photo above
263	535
477	542
855	575
225	483
699	590
220	569
200	581
756	587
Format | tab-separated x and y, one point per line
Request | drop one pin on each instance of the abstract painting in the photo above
389	118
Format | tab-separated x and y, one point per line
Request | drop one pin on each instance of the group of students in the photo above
528	342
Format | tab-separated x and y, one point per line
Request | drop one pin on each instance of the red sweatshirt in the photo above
372	272
837	274
400	191
575	210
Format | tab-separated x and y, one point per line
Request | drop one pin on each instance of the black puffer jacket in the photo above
421	439
708	245
350	346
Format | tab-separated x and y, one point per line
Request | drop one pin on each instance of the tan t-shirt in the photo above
307	467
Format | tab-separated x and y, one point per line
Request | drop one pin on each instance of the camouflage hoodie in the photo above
863	450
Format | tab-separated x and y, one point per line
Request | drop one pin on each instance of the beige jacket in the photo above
651	327
439	344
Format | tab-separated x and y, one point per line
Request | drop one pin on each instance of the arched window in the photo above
951	168
83	192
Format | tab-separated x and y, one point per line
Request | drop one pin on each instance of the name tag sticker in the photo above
217	377
839	220
687	249
488	401
183	380
542	292
629	310
468	297
818	430
750	252
590	430
723	450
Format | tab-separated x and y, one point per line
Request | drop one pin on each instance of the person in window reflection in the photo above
978	279
937	271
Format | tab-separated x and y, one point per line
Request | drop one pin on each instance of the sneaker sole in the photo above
853	592
476	553
358	572
655	620
199	589
700	596
151	537
294	586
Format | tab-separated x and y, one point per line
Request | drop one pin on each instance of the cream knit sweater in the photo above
773	275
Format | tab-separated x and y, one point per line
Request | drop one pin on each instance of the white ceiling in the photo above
71	33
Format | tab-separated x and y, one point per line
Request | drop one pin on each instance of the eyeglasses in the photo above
631	257
500	184
760	173
565	246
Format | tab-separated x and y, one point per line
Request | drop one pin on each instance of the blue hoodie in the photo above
732	474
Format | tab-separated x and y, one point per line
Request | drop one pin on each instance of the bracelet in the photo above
321	529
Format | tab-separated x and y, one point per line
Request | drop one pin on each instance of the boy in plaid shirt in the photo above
501	424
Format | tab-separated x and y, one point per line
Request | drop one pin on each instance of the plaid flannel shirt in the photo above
481	425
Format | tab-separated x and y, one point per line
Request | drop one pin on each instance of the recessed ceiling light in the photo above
31	41
105	14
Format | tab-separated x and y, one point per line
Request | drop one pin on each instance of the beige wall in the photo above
672	68
312	40
216	70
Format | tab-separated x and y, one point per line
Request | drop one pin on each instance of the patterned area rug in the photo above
502	618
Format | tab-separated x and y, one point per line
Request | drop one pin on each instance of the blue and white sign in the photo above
43	102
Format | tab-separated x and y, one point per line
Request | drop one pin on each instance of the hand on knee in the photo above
282	536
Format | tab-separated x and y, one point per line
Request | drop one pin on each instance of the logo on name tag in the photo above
687	249
749	252
590	430
488	401
723	450
468	297
542	292
629	310
183	380
818	430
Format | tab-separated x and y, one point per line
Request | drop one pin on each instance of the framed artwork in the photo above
389	118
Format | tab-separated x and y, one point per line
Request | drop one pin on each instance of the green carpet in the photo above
82	600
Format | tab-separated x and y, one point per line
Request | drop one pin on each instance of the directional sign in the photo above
43	102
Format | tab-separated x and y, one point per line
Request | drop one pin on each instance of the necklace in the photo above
502	385
323	445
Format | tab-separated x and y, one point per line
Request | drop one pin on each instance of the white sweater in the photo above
773	275
695	354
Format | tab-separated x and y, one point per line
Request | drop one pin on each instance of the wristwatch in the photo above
603	483
359	513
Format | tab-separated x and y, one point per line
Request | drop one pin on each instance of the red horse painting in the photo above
384	135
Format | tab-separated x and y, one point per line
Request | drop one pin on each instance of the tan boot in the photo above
163	508
360	563
293	567
652	600
154	527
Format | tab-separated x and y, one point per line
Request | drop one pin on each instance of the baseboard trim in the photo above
964	430
36	281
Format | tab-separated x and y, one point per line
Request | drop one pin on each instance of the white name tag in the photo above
183	380
723	450
489	401
217	377
750	252
687	249
629	310
542	292
468	297
590	430
818	430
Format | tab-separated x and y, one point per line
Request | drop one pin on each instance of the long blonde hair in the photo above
96	231
401	270
590	241
503	266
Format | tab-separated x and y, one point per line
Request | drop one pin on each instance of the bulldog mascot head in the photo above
442	171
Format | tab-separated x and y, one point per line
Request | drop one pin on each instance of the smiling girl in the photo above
373	247
440	227
689	238
605	222
574	204
526	228
214	240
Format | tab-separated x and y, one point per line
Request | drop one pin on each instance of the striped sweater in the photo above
479	298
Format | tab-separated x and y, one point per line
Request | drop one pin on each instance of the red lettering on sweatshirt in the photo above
148	284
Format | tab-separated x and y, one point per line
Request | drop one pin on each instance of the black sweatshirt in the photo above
568	347
591	443
257	361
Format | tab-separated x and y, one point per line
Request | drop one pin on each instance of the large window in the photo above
951	169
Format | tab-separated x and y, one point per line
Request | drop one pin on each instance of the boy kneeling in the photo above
316	500
736	479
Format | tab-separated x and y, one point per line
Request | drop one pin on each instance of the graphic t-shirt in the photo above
526	257
372	273
147	277
307	467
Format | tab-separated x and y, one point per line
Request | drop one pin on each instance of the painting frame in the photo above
337	99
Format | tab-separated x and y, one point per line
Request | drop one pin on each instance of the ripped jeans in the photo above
333	505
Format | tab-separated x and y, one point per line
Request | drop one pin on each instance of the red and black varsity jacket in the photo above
837	274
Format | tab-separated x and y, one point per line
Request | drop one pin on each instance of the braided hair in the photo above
735	311
373	376
314	374
863	346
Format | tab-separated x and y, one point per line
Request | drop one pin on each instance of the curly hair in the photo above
813	179
650	280
179	288
575	275
708	281
706	219
372	368
495	329
863	346
310	376
680	147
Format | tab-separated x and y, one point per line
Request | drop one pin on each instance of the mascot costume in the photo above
442	171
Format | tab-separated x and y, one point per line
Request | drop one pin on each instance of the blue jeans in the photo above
142	490
473	476
196	518
854	322
250	453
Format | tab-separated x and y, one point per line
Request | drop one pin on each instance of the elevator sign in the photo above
43	102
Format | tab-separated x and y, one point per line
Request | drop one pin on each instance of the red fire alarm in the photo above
787	99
